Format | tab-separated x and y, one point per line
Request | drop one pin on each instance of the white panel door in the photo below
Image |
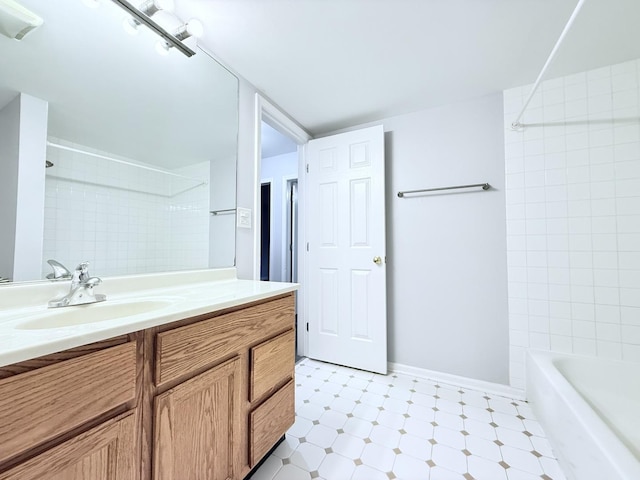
346	233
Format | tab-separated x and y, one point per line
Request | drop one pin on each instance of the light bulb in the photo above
151	7
163	48
193	28
130	25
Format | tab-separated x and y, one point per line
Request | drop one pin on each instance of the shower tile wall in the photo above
120	218
573	216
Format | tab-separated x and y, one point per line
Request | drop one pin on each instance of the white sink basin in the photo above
93	312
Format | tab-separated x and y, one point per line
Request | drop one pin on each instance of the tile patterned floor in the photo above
355	425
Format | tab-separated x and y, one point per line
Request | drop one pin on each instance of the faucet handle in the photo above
60	272
93	282
81	274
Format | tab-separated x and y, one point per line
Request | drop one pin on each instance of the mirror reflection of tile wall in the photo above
126	219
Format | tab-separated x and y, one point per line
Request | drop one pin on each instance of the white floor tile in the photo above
358	427
343	405
449	458
419	428
439	473
449	420
349	446
522	460
428	400
481	447
322	436
385	436
407	467
300	428
417	447
422	412
514	439
355	425
366	412
391	419
448	437
291	472
378	457
333	419
308	457
336	466
483	469
365	472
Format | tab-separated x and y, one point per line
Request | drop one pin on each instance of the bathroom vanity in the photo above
192	382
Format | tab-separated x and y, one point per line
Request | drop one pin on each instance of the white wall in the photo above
573	216
246	253
278	169
447	288
23	127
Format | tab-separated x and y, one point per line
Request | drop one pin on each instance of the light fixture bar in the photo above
157	29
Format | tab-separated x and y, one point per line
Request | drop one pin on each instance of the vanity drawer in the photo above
272	363
192	348
270	421
42	404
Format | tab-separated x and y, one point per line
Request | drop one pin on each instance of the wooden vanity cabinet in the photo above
72	415
201	398
215	378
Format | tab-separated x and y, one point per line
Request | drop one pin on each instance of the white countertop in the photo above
179	294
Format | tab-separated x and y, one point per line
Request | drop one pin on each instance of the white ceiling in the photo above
336	63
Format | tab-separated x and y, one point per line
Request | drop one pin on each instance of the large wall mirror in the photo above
140	149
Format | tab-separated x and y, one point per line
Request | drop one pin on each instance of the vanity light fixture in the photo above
142	16
192	28
149	8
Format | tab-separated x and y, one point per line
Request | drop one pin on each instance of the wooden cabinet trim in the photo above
46	399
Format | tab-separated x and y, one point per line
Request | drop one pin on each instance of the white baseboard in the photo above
459	381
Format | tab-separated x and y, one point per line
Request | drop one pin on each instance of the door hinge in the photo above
307	246
307	326
307	168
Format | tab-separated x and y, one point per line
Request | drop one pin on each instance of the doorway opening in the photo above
265	230
278	208
278	135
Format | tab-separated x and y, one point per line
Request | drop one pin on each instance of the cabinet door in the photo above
106	452
197	427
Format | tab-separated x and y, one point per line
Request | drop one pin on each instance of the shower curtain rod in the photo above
515	125
124	162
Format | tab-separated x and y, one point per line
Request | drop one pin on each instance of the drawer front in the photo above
188	349
39	405
272	363
107	452
270	421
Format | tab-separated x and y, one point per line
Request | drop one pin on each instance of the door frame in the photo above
286	180
276	118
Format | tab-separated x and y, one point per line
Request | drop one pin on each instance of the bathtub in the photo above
590	411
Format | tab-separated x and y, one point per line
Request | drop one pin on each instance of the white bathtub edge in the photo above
603	454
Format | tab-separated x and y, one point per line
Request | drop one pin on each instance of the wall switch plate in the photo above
244	217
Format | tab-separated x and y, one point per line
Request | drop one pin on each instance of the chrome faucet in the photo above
81	293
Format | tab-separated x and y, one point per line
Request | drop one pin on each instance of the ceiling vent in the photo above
16	21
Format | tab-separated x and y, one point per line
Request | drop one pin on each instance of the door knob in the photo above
377	260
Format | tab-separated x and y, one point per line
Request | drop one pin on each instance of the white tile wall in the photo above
573	216
123	219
